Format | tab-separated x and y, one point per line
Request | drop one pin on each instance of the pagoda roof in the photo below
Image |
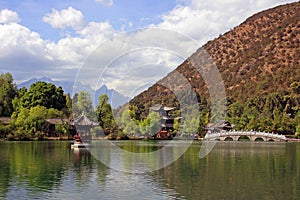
161	107
220	124
57	121
84	121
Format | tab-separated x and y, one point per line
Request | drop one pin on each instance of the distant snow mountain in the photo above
116	99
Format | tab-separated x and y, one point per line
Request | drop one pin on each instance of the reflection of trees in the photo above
39	167
4	174
36	166
83	163
232	171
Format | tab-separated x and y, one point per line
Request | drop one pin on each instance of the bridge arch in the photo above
259	139
244	138
228	138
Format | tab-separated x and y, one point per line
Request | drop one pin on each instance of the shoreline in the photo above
289	140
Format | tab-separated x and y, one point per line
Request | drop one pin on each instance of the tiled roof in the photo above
84	121
219	124
5	120
161	107
57	121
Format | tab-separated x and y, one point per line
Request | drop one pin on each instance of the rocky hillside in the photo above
256	58
262	54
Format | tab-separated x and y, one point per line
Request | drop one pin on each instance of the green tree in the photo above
68	110
129	123
273	101
295	86
151	124
234	113
204	118
8	91
44	94
176	125
191	125
16	102
192	121
29	122
5	130
82	103
105	115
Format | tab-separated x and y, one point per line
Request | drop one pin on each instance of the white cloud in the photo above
105	2
24	51
16	38
69	17
26	54
132	60
9	16
71	50
97	31
205	20
126	25
74	49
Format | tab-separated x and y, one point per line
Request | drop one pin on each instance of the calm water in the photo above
233	170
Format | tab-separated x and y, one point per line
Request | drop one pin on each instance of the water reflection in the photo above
237	170
138	156
29	168
233	170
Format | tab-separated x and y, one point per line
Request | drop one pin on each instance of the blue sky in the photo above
54	38
139	13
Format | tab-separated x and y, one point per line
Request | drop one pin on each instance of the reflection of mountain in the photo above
51	170
116	99
234	171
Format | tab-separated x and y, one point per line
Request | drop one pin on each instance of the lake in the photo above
232	170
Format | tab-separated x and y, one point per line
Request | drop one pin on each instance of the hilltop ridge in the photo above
259	62
259	56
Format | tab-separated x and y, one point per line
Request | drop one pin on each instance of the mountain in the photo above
116	99
66	85
259	57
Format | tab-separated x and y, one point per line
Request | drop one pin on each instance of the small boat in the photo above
135	137
79	144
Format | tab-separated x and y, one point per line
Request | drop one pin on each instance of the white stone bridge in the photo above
251	135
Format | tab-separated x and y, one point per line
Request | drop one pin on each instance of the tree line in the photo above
276	112
28	109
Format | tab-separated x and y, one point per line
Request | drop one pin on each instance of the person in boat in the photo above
77	138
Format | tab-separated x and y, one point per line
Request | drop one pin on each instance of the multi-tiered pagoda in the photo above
166	123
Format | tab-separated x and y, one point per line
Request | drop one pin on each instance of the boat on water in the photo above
136	137
78	144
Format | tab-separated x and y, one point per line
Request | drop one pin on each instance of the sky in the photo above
124	44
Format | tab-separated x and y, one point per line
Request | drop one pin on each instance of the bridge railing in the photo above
244	133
